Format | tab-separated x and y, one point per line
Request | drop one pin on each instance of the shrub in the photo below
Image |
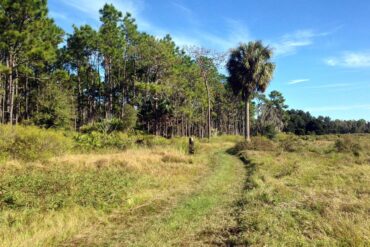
291	143
151	140
269	131
259	143
346	145
108	126
32	143
55	108
129	117
96	140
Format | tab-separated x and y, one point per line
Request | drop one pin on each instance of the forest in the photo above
120	77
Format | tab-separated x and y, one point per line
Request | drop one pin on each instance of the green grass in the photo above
148	196
311	195
290	191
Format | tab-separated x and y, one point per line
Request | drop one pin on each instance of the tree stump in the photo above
191	145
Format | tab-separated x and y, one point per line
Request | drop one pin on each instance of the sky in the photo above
321	47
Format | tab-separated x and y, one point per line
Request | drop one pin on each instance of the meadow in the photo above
308	191
65	190
152	193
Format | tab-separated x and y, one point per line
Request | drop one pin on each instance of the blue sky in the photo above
322	47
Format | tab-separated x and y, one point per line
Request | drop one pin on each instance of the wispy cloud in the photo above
289	43
236	32
183	8
92	7
183	41
333	85
350	60
57	15
292	82
338	108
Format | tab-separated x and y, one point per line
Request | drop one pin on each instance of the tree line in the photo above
121	76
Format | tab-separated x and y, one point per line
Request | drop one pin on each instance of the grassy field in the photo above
156	196
307	191
311	191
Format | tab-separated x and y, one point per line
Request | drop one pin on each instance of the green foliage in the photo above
269	131
55	109
31	143
291	143
303	123
129	117
97	140
108	126
348	144
259	143
251	71
60	188
151	140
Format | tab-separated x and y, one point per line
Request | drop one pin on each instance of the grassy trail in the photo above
196	214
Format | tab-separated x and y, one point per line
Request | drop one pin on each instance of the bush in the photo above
96	140
129	117
32	143
105	126
108	126
291	143
151	140
55	108
259	143
346	145
269	131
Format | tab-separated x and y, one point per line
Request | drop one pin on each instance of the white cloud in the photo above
57	15
350	60
92	7
289	43
334	85
236	32
298	81
183	41
183	8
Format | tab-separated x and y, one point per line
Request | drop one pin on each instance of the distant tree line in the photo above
303	123
273	116
117	77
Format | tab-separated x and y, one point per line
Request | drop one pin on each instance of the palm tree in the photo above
250	71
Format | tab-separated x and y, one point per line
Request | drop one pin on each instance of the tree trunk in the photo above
209	110
11	89
247	126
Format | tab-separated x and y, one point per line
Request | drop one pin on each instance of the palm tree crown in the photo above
250	68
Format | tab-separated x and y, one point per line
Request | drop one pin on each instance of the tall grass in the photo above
32	143
46	202
307	192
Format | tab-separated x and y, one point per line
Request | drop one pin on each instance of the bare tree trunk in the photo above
11	89
16	95
247	127
209	111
